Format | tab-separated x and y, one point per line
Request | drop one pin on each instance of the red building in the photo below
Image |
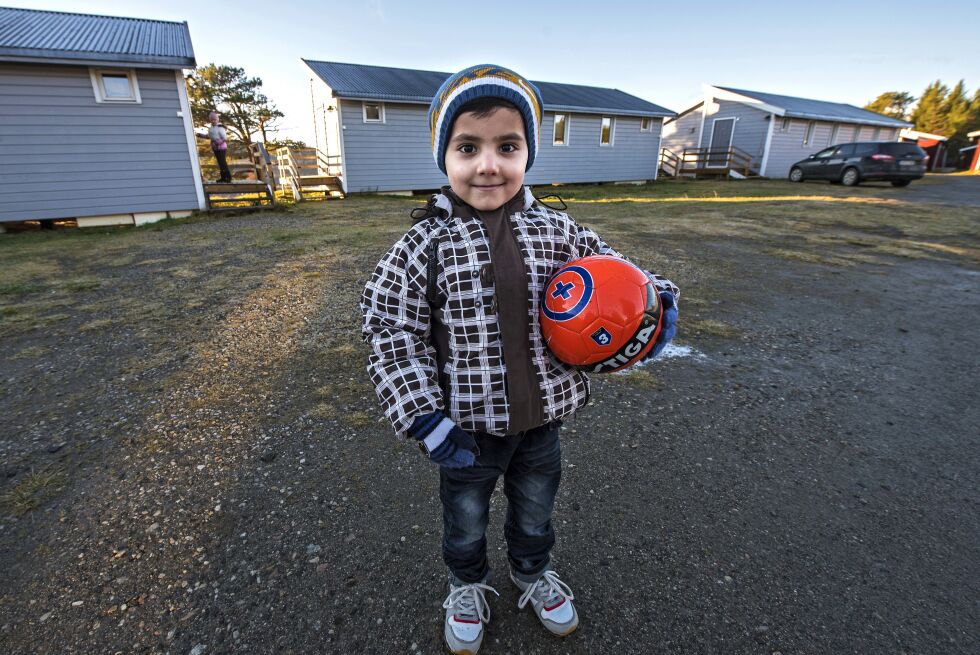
933	144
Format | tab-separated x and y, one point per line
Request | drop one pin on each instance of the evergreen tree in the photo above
928	115
892	103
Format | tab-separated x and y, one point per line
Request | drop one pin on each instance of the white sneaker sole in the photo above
462	647
558	631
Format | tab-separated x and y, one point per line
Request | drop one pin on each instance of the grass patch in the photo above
711	328
31	352
809	257
35	489
20	288
98	324
637	377
358	419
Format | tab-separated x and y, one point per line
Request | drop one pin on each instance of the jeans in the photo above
222	157
531	465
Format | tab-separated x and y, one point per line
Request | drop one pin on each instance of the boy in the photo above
457	358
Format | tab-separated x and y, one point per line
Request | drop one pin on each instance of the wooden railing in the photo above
713	161
670	162
308	167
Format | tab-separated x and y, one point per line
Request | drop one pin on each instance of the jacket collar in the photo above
453	205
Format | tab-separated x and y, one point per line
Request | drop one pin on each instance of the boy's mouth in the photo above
487	187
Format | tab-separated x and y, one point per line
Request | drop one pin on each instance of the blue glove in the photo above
445	442
668	326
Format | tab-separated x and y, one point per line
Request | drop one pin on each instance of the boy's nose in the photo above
488	163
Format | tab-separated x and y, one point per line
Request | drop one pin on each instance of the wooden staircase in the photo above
310	174
730	163
255	191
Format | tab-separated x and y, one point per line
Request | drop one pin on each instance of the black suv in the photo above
853	163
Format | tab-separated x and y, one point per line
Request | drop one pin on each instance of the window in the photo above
808	137
825	153
847	151
374	112
115	86
785	126
606	131
645	124
561	130
876	134
833	133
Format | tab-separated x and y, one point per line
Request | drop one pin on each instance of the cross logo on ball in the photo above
563	289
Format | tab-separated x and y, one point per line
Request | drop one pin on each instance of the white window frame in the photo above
784	126
554	132
834	133
649	127
612	131
381	110
98	86
809	133
876	135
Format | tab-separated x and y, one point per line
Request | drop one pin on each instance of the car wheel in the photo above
850	177
796	175
901	182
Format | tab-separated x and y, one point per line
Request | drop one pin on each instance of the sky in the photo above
662	52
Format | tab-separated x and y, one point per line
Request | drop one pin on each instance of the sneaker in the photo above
552	602
466	612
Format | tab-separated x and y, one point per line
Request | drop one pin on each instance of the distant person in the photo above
460	365
219	145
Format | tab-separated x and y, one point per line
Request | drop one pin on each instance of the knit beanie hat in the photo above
484	80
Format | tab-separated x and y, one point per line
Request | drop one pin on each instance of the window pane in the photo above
644	124
116	86
606	129
373	112
559	129
809	132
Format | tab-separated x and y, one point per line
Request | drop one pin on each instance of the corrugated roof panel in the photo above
32	34
407	85
820	109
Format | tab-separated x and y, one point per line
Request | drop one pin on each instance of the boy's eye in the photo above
510	147
467	148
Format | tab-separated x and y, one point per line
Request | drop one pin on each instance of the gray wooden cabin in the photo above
774	131
372	124
94	119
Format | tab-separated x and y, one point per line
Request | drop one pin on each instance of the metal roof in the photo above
41	36
820	109
406	85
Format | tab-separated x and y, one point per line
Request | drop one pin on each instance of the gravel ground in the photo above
193	462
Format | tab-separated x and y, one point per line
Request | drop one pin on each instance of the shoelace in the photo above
470	601
548	588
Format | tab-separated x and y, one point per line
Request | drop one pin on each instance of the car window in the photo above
865	149
826	152
902	149
847	151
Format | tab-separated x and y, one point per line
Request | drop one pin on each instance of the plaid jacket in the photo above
398	319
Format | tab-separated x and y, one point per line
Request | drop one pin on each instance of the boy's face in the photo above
486	157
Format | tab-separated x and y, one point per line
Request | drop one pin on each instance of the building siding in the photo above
787	146
63	155
683	132
397	155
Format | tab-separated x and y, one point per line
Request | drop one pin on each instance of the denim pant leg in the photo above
465	495
531	483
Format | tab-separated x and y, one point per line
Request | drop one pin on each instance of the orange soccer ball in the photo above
600	313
